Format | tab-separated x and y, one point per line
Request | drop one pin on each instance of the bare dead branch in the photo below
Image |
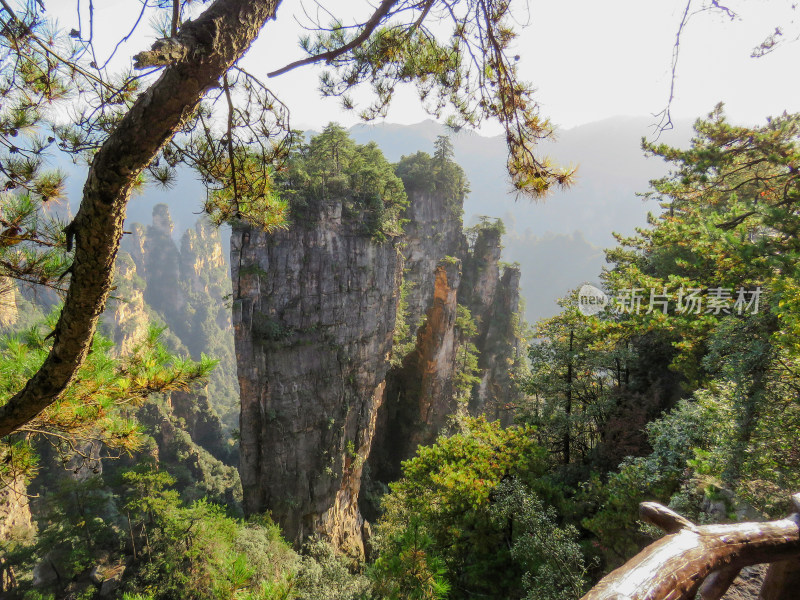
665	519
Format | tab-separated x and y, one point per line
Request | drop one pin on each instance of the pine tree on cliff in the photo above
449	177
129	124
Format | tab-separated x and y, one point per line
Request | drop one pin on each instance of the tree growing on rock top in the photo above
187	101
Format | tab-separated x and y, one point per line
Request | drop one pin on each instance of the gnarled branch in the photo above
220	36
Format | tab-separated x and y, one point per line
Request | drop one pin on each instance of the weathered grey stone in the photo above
440	264
433	232
314	313
500	347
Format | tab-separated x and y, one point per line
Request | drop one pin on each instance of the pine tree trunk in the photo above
208	47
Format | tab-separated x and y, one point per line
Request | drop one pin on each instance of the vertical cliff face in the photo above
492	295
419	392
482	272
202	260
422	393
161	265
126	318
433	357
185	287
432	232
317	312
313	313
501	349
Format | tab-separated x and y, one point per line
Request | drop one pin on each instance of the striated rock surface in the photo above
126	318
201	257
482	272
313	313
433	231
434	355
352	353
491	291
15	512
185	287
8	303
502	349
419	395
162	266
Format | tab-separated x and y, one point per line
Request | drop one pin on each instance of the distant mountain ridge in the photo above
558	241
611	170
568	229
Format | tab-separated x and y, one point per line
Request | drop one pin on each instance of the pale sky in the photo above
589	60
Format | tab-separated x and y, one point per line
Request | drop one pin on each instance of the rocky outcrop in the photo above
8	303
434	355
433	231
419	394
162	266
15	513
201	256
126	320
313	314
317	310
491	291
501	348
185	287
134	244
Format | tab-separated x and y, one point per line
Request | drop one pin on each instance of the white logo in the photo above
591	300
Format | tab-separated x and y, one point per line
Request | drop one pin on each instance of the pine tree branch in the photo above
222	34
380	13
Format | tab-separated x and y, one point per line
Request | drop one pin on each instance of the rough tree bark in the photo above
782	581
698	558
203	51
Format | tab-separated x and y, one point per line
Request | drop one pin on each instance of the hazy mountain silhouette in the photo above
558	241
